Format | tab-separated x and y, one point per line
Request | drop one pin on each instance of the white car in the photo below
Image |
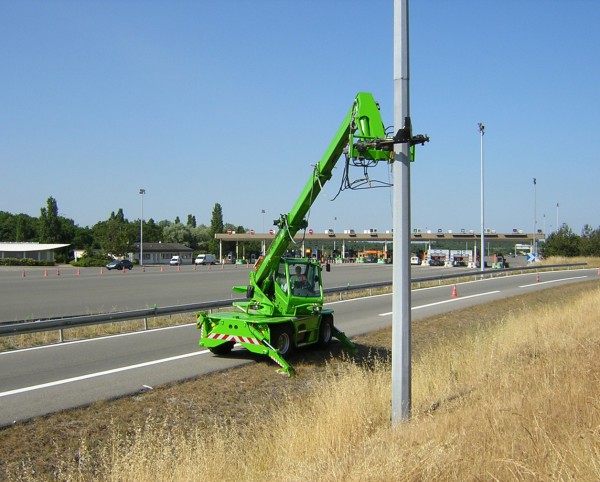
175	261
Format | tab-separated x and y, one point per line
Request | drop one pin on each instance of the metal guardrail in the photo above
20	328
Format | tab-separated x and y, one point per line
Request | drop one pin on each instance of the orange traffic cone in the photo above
23	275
101	271
45	273
454	293
161	269
57	271
78	272
537	277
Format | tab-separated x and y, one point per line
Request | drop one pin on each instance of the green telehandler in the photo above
284	307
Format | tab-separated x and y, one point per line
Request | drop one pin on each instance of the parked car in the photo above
175	261
119	264
415	260
436	262
205	259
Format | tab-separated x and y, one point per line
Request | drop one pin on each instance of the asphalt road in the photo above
47	379
39	293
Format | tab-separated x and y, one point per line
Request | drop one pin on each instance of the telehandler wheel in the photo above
282	340
223	349
325	331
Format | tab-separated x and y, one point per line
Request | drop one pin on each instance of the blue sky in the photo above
231	101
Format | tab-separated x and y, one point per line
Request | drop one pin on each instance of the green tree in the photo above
563	242
83	238
18	227
153	233
114	236
26	228
7	226
216	226
201	236
191	221
590	241
49	225
178	233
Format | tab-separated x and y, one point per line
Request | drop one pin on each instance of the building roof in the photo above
23	247
163	247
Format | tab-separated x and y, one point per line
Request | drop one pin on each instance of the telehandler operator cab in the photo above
301	276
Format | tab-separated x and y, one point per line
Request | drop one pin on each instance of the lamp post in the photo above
557	226
264	243
535	218
142	192
334	220
481	132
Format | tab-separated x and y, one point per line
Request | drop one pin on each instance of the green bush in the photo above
90	261
24	262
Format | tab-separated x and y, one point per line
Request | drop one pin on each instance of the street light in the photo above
481	132
334	220
263	243
142	192
534	218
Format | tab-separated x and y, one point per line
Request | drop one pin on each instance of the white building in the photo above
37	251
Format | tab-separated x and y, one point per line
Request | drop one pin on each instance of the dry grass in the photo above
502	393
593	262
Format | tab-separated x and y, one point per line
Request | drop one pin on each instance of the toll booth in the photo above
461	257
438	257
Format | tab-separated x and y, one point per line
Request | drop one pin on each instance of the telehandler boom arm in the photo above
363	123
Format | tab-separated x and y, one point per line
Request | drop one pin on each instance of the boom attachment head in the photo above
403	136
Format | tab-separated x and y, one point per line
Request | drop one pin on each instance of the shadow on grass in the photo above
313	356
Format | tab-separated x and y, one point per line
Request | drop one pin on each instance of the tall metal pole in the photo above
557	226
482	263
401	316
142	192
535	218
264	243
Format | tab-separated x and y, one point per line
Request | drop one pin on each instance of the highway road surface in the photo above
41	293
43	380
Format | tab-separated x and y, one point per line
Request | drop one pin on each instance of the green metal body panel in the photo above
277	300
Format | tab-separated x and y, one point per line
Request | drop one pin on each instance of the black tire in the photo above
223	349
325	331
282	339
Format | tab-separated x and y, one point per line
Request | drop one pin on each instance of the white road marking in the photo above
188	355
92	340
551	281
100	374
446	301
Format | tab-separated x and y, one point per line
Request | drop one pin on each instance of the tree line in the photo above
114	235
565	242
